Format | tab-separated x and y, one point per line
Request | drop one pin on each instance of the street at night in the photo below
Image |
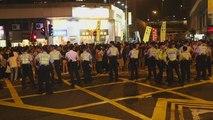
106	59
124	99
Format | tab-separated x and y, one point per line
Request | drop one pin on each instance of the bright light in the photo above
86	12
119	2
148	19
154	12
184	18
181	6
122	4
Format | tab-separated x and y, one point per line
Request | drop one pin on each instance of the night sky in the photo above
144	8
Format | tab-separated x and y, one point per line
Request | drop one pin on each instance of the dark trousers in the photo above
173	65
99	66
87	72
44	77
209	66
201	66
151	62
27	72
185	70
134	68
161	65
73	68
113	67
57	64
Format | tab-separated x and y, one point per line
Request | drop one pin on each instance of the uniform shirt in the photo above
134	54
56	55
25	58
160	54
172	53
189	49
72	56
44	58
152	52
185	55
112	51
202	49
85	56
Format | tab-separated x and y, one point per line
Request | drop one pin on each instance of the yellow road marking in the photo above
172	116
85	106
13	92
57	111
112	102
170	90
63	91
160	110
180	111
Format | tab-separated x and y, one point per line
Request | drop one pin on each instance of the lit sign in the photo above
84	12
210	30
59	32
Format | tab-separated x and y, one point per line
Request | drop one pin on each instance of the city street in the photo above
124	99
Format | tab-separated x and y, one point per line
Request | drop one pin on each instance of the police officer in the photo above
172	57
86	60
113	54
160	62
44	60
151	61
73	60
185	58
25	60
56	56
201	59
134	62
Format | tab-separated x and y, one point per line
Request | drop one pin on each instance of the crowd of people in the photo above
47	63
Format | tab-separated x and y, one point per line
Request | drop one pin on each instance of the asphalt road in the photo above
102	100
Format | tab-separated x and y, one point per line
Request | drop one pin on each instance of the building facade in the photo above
201	18
71	21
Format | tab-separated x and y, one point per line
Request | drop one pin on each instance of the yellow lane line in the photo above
124	108
13	92
160	110
172	116
85	106
180	111
63	91
170	90
57	111
116	100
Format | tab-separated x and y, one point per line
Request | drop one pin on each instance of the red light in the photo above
34	37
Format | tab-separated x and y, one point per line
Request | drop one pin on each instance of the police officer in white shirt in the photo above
86	62
201	58
25	60
113	54
133	54
56	55
44	70
73	60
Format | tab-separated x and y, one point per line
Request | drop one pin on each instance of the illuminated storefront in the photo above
89	25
